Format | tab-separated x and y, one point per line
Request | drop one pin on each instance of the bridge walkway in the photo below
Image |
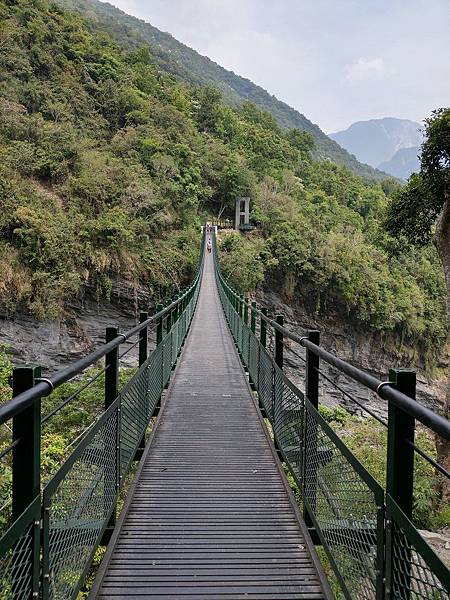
210	515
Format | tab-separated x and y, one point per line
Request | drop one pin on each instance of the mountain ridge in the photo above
188	65
376	141
404	162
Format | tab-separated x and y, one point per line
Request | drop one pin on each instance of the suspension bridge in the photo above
239	478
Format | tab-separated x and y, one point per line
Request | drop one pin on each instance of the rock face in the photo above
54	344
362	351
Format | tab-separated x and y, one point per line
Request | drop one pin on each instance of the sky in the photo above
336	61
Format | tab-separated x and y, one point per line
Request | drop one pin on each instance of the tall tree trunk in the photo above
442	242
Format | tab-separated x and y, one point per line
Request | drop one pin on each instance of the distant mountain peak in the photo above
376	141
404	162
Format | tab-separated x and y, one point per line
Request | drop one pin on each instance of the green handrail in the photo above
49	547
374	549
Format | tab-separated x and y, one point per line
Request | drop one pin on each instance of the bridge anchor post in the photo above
26	464
143	352
111	393
400	483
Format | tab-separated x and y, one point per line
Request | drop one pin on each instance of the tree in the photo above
421	212
302	140
208	109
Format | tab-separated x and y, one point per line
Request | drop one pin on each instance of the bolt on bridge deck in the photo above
210	514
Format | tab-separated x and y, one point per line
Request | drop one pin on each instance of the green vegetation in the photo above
420	212
88	189
324	248
191	68
109	165
61	433
367	439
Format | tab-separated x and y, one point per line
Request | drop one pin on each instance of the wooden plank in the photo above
210	515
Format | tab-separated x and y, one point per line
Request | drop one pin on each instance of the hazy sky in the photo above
336	61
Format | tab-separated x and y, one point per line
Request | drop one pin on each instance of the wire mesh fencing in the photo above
19	577
374	550
287	420
80	499
265	382
346	505
77	504
414	572
134	416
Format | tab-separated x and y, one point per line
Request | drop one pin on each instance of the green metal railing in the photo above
48	549
374	549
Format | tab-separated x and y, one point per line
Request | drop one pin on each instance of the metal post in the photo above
159	326
309	479
312	370
263	341
26	470
263	328
175	317
111	393
241	306
246	302
175	310
143	339
26	455
400	482
169	317
279	342
253	317
112	368
400	454
276	398
143	352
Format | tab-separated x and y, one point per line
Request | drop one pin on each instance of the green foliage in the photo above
415	208
85	147
367	439
245	259
5	471
5	374
325	248
189	67
109	165
335	414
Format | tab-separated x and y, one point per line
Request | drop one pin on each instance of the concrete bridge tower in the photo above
242	212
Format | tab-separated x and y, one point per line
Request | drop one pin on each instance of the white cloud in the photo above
326	58
363	70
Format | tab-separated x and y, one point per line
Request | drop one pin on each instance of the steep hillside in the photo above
190	67
108	165
377	140
404	162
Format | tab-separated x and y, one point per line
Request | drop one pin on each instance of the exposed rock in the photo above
440	542
363	351
54	344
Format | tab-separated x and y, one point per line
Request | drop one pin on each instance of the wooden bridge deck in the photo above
210	515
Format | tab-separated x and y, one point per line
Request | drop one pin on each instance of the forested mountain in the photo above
404	162
108	165
376	141
189	66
